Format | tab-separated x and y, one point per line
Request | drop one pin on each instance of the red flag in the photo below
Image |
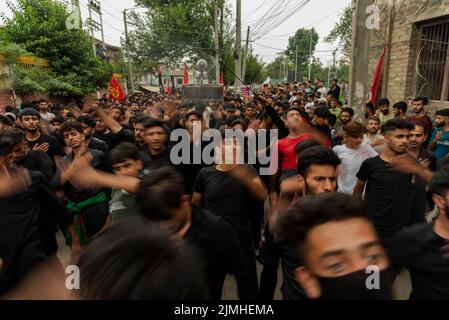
372	95
116	91
222	78
186	74
169	87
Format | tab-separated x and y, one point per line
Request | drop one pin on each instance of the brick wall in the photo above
399	84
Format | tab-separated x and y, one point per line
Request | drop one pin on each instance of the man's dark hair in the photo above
401	105
442	113
72	125
136	260
439	184
396	123
239	121
6	144
122	152
122	110
29	112
200	106
139	118
322	112
312	211
4	120
425	100
57	118
15	134
231	119
87	119
159	194
317	156
348	110
383	101
151	123
306	144
197	114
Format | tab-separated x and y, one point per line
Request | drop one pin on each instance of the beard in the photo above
440	125
32	130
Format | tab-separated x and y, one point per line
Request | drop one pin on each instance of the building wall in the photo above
399	35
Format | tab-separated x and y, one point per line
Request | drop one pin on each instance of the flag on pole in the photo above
116	91
372	95
186	74
222	78
169	86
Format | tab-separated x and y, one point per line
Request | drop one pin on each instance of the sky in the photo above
320	14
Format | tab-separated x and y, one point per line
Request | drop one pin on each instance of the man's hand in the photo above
407	164
42	147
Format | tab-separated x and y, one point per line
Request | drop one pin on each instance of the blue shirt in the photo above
442	146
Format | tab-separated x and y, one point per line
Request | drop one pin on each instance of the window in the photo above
179	81
433	61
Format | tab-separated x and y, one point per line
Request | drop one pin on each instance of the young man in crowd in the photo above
419	247
372	135
334	91
346	116
156	136
336	111
27	223
227	189
30	119
109	130
352	153
385	113
88	123
388	191
421	117
44	110
439	142
400	110
139	129
89	207
336	243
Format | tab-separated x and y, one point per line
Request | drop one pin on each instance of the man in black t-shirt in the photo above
32	160
30	119
88	122
156	136
227	189
419	247
388	191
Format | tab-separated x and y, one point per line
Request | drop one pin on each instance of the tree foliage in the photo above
341	34
39	28
302	40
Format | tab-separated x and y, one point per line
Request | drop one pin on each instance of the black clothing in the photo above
114	139
38	161
418	248
54	149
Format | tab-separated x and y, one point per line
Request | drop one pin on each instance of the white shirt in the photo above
368	140
47	116
351	160
323	92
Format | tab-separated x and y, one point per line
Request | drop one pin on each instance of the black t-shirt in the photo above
218	246
99	145
27	222
39	161
418	249
225	196
54	149
387	196
114	139
155	162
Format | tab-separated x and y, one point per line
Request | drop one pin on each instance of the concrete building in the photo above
415	34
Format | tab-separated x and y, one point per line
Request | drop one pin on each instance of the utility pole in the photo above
296	59
95	6
310	54
246	55
217	46
128	57
238	43
334	64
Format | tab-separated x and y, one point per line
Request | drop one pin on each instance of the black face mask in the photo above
353	287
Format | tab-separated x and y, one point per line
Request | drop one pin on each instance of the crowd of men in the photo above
347	191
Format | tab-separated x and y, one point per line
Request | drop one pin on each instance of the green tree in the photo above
254	69
302	40
39	27
341	34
